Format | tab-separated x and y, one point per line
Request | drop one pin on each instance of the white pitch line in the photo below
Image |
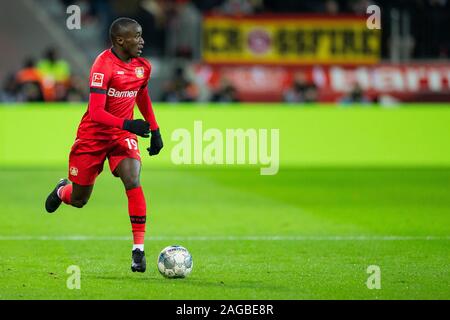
225	238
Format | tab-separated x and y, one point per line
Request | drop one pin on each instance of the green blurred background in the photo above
318	135
357	186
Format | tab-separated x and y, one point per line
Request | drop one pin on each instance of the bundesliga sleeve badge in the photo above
139	72
97	79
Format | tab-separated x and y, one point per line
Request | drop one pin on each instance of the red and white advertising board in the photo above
401	82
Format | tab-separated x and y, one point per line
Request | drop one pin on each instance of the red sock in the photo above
65	193
137	211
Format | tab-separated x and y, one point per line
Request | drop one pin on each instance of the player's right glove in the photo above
139	127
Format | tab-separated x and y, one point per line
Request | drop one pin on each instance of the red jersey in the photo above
121	83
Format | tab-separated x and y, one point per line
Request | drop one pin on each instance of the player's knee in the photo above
131	183
79	203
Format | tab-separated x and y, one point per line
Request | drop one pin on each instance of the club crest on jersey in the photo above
97	79
73	171
139	72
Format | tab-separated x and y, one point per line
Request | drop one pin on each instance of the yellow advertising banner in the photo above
290	41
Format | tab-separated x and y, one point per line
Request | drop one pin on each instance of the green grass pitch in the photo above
309	232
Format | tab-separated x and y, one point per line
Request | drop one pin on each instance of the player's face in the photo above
133	42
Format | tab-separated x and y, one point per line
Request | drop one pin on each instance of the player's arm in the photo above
99	82
97	102
145	106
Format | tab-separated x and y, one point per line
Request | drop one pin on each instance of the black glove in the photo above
156	143
139	127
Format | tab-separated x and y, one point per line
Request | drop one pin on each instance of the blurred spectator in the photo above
30	92
241	7
208	5
9	90
302	90
77	90
184	30
359	6
153	17
293	6
225	93
29	82
55	74
429	20
331	7
179	88
356	95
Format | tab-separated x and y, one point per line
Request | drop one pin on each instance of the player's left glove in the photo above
156	143
139	127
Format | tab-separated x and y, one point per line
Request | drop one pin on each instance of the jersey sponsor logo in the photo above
139	72
73	171
120	72
97	79
121	94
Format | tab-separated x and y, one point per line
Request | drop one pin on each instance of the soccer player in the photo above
118	79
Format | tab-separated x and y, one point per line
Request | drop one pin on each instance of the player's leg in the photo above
85	164
53	200
75	195
72	194
129	170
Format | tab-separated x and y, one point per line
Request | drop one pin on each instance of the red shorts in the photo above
87	157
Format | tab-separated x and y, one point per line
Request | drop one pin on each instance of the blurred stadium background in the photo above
237	50
364	160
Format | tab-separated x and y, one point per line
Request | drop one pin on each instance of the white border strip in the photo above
224	238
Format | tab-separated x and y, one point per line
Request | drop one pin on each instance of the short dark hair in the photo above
118	26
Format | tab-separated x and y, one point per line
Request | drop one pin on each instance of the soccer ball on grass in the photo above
175	262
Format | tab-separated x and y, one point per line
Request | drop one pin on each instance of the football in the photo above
175	262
